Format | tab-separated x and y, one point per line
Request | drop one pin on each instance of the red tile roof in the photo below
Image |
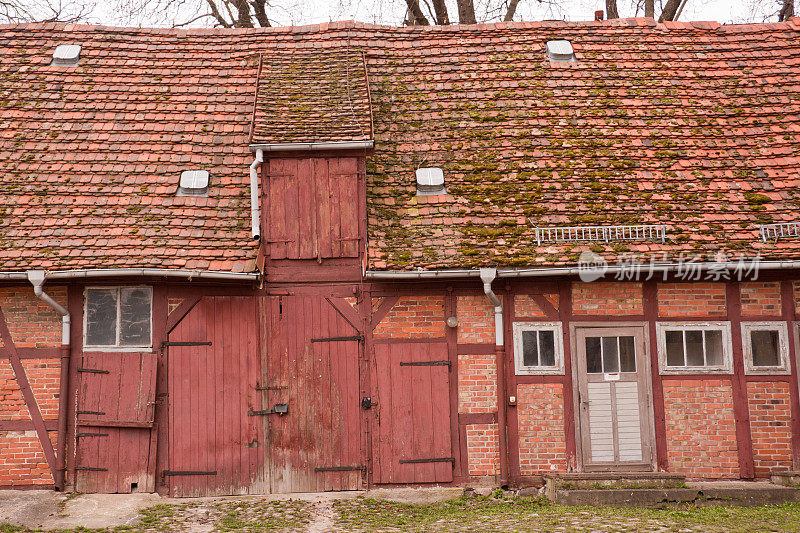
693	125
308	96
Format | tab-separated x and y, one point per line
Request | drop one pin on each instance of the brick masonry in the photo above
770	425
31	321
33	324
477	383
691	299
414	317
483	449
22	461
611	298
701	430
525	307
475	319
760	298
542	443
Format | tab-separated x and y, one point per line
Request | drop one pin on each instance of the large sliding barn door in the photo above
412	441
312	355
215	446
115	408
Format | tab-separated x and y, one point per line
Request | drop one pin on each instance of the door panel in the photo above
613	387
412	441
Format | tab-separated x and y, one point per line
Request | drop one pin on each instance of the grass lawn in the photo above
473	513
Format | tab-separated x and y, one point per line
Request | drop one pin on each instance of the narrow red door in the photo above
412	441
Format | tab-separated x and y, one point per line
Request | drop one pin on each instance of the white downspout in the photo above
488	275
37	277
255	204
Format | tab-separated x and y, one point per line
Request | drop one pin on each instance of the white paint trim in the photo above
783	347
727	347
558	332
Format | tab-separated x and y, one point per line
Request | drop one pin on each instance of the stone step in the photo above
614	480
703	494
788	479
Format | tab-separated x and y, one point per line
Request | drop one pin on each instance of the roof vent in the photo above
193	183
560	51
66	55
430	181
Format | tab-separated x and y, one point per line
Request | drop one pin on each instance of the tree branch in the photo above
417	17
787	11
466	12
611	9
512	9
212	6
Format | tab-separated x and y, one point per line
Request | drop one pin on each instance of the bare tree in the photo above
650	8
611	9
786	11
14	11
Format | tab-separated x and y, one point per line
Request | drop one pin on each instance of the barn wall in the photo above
35	328
607	298
542	442
771	426
691	300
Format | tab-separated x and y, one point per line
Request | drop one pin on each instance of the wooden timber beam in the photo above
27	394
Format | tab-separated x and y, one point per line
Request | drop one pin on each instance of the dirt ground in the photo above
355	512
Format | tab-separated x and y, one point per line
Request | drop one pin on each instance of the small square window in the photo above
766	347
538	348
687	348
118	318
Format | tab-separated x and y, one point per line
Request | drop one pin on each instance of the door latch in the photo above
277	409
367	403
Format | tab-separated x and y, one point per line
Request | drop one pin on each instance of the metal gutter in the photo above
255	204
290	147
376	275
130	272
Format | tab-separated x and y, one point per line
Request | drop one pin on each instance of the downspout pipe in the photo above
255	204
488	275
37	279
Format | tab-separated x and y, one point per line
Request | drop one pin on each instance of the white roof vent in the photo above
193	183
66	55
430	181
560	51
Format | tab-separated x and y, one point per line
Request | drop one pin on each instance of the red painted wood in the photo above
512	381
34	353
326	209
414	413
451	336
209	391
650	298
741	408
788	313
565	314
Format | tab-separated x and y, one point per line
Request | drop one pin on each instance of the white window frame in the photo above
783	347
558	334
727	347
115	347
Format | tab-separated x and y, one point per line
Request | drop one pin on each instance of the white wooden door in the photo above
613	399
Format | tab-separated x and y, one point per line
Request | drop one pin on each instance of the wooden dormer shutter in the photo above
311	207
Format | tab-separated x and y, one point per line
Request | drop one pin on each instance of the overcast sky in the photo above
289	12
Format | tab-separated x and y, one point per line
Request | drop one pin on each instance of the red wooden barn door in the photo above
116	404
312	356
412	441
312	207
215	447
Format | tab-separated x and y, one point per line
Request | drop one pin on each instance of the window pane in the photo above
593	363
765	348
530	354
694	348
713	348
627	354
674	348
101	317
547	348
134	328
610	361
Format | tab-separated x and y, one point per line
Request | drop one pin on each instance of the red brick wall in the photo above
22	461
797	297
414	317
483	449
32	322
477	384
542	444
760	298
701	431
43	375
691	299
475	319
525	307
607	298
770	426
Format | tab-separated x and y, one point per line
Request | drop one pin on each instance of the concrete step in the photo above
613	480
788	479
702	493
